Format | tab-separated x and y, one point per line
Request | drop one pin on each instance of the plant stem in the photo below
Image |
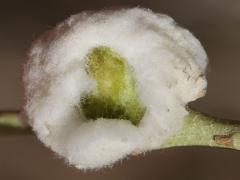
197	130
202	130
11	124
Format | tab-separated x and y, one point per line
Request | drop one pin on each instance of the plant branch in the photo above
202	130
11	124
197	130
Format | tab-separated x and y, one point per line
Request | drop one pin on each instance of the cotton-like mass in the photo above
156	68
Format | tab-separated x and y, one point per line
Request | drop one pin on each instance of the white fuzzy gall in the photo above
140	68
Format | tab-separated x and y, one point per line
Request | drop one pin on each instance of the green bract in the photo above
115	95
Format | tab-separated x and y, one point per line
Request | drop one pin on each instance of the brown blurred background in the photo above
215	22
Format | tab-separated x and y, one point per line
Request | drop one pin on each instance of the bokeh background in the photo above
216	23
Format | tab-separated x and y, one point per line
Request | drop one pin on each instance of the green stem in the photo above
11	124
197	130
202	130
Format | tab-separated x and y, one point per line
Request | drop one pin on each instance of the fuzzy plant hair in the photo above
104	85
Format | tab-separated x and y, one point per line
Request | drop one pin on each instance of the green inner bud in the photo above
115	94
